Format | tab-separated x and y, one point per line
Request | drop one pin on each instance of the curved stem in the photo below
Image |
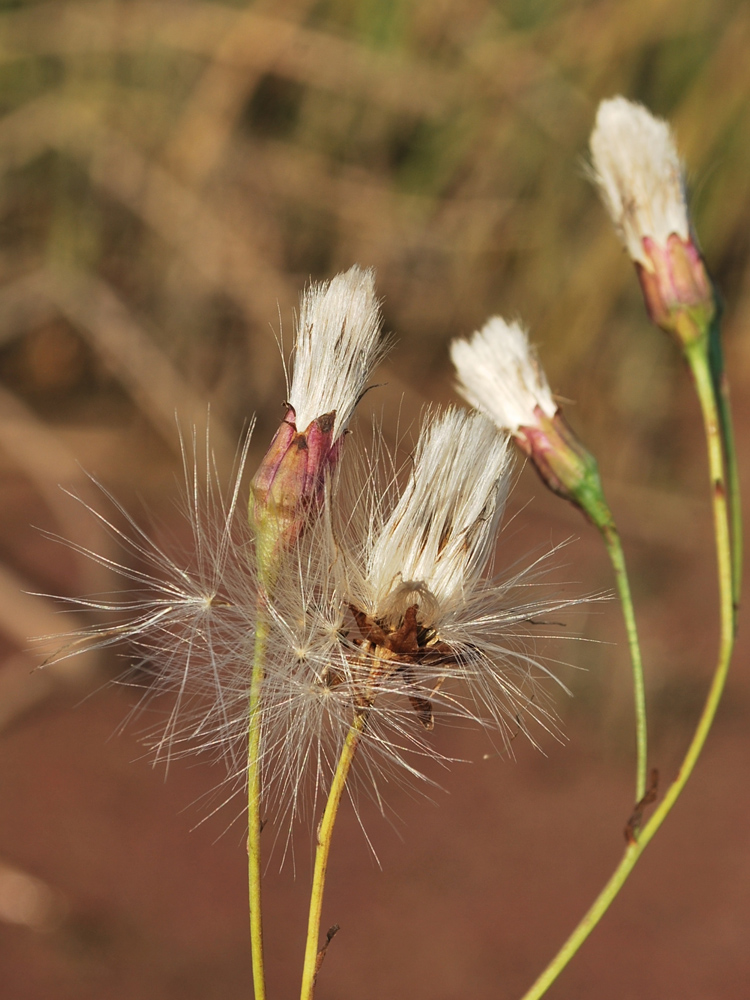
697	359
325	833
253	805
617	558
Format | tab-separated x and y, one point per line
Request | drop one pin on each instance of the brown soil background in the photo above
473	887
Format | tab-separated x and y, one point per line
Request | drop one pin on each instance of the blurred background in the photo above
172	174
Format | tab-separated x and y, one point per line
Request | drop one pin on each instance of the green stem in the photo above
721	390
697	359
253	804
735	506
700	368
325	833
571	471
617	558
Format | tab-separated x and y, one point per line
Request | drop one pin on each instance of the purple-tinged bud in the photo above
499	374
337	345
638	171
676	288
563	463
289	483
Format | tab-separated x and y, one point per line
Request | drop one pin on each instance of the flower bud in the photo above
290	480
563	463
499	374
637	169
676	288
336	348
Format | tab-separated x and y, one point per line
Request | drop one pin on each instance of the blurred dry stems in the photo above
174	171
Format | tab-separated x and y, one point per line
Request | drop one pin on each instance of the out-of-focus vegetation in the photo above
173	172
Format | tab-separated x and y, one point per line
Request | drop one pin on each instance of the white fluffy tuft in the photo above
638	171
337	346
378	549
438	538
498	373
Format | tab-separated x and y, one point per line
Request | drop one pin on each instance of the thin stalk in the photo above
613	544
253	805
698	363
325	833
735	506
721	390
572	472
